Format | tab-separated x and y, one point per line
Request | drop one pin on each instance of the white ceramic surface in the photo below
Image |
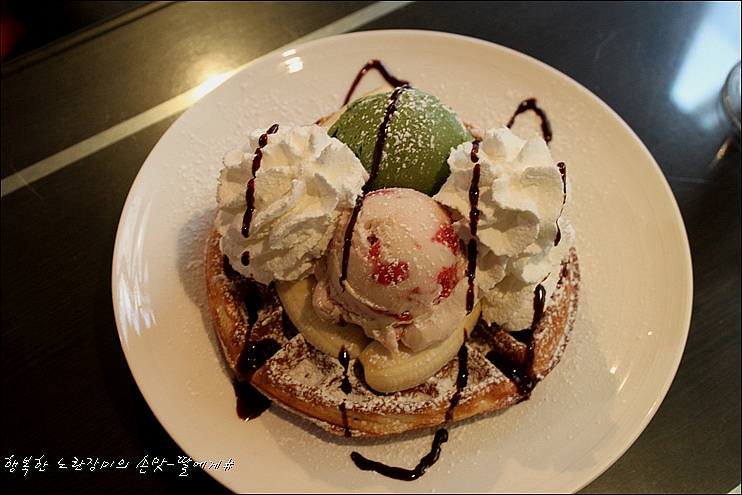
635	303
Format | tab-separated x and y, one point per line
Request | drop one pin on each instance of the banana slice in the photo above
384	371
329	338
387	372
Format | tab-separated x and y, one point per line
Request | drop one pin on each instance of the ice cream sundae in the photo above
390	267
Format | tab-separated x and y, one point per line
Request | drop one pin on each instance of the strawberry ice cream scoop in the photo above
405	271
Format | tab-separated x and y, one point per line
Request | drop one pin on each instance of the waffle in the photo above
494	369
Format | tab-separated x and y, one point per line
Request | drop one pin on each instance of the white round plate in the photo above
626	345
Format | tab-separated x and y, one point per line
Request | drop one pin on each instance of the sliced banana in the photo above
384	371
329	338
387	372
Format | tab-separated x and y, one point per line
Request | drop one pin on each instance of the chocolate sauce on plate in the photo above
441	436
379	66
250	402
532	104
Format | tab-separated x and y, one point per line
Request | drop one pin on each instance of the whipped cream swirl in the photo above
523	231
304	180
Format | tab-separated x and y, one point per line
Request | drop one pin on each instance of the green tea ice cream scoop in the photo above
414	130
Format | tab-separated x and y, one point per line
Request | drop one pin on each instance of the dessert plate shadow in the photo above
635	301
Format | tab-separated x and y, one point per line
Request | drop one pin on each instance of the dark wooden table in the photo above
77	125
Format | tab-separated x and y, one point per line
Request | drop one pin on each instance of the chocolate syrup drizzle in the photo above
461	380
399	85
471	251
250	402
376	161
563	171
441	436
381	68
521	374
531	104
250	189
344	359
345	386
525	105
